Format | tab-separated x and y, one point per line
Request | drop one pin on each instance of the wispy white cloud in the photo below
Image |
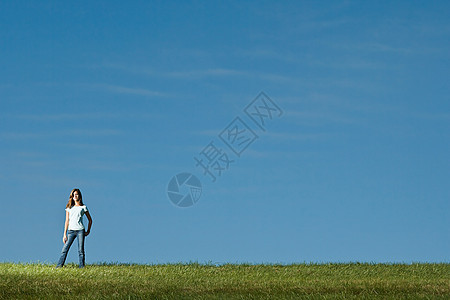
35	176
320	102
195	74
182	74
383	47
84	146
78	116
74	132
297	136
112	88
265	76
38	160
321	117
265	53
126	90
273	135
293	80
111	166
190	74
351	63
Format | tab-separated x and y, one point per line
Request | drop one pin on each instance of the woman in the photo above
74	228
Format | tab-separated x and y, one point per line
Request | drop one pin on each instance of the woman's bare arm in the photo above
66	225
88	216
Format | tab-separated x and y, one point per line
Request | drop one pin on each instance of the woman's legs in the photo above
71	234
80	236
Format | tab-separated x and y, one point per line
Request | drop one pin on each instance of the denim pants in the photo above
71	235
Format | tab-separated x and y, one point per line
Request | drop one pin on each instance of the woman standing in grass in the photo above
74	228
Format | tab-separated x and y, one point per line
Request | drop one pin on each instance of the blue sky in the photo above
116	98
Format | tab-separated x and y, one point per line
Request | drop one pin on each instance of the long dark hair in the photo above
71	202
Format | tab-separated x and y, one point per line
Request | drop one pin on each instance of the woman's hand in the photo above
65	239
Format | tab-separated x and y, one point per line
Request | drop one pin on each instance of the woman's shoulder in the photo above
79	207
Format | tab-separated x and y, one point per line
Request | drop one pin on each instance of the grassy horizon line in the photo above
210	263
194	280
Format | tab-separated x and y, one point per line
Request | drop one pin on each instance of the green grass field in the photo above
231	281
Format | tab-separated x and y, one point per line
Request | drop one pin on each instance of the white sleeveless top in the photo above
76	214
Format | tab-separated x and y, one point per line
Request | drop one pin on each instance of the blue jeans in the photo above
71	235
